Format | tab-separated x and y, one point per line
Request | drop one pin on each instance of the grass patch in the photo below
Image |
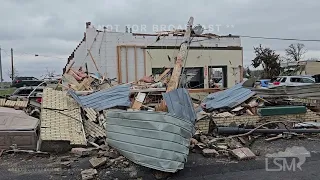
7	91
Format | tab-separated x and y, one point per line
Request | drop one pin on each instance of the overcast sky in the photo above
54	28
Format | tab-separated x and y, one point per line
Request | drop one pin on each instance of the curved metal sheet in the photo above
152	139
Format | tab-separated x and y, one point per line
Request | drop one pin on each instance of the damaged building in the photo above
212	62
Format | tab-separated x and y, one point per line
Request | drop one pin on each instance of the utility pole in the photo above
181	57
12	72
1	70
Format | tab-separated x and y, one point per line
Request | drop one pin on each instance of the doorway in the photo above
217	77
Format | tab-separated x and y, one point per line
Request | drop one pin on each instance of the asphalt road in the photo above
34	168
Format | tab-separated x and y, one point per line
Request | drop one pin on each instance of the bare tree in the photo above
295	52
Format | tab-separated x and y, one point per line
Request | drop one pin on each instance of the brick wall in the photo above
204	125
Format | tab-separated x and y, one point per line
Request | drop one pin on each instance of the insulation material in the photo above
153	139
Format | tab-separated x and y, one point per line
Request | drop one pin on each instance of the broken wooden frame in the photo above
119	63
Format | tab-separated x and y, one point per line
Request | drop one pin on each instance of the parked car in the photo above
25	81
262	83
24	92
291	81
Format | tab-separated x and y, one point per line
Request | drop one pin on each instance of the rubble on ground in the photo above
152	122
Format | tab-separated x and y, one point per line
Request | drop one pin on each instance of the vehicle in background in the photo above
25	81
24	92
262	83
291	81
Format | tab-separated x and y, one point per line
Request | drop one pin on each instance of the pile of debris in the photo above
230	121
149	122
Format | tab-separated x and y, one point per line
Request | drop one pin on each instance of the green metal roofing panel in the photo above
281	110
153	139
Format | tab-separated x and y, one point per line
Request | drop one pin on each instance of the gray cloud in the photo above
54	28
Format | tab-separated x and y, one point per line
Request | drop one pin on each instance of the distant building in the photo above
307	67
130	56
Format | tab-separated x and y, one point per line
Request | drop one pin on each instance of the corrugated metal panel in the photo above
179	103
104	99
229	98
152	139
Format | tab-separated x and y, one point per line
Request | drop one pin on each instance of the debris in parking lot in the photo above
89	174
97	162
243	153
81	151
209	153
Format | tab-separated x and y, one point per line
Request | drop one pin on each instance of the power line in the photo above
267	38
282	39
36	55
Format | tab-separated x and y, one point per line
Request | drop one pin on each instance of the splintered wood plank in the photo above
2	102
181	57
138	100
85	84
162	75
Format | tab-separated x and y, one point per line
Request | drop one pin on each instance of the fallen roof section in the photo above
152	139
229	98
104	99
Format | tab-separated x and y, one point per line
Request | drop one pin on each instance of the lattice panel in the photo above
10	103
22	104
2	102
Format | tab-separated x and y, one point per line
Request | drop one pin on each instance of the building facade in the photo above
130	56
305	67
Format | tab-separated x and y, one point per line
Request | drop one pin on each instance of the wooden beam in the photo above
144	61
174	80
119	64
131	45
94	62
162	75
127	74
208	90
135	64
